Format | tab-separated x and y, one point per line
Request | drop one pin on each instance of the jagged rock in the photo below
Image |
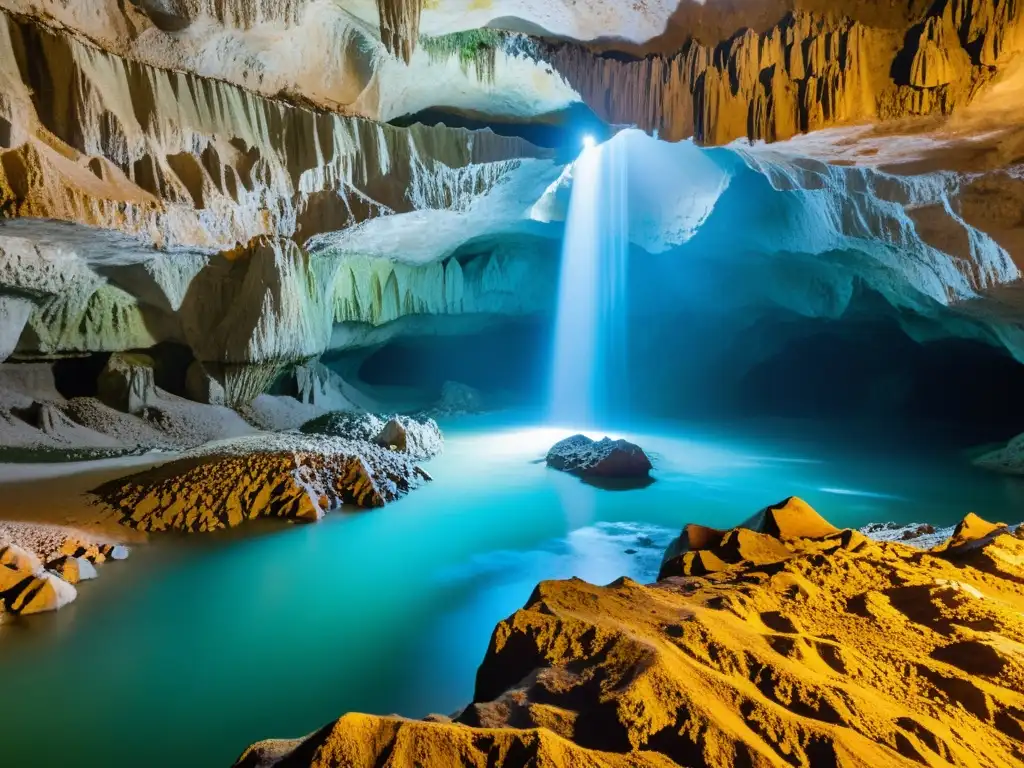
72	569
419	438
847	642
400	25
805	73
36	593
25	587
973	532
700	549
791	518
605	458
392	435
290	476
127	383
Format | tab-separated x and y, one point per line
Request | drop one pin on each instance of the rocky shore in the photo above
785	642
40	564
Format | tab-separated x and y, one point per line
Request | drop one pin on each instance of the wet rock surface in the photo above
601	459
808	645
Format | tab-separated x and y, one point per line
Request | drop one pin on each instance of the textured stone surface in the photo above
605	458
420	438
830	650
127	383
26	585
808	71
290	476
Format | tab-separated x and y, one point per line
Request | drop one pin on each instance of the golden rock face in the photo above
289	476
811	69
809	651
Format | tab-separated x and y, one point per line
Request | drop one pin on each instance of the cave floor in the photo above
282	627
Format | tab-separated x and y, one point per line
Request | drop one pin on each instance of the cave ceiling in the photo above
245	176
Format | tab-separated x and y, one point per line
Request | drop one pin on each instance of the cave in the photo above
506	384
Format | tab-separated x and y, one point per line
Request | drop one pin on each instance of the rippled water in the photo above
198	645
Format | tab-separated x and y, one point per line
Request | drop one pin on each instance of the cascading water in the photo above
589	364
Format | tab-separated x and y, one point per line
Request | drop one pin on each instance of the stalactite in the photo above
400	25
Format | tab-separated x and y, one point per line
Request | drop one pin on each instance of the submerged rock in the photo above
824	649
290	475
605	458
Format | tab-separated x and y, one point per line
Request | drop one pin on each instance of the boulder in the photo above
114	551
605	458
127	382
392	436
72	569
38	592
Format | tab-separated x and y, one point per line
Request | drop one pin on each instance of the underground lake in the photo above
198	645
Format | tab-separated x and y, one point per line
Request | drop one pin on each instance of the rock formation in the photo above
804	646
604	458
220	175
419	438
809	71
290	476
26	585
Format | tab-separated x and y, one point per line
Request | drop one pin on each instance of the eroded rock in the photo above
829	649
291	476
72	569
605	458
419	438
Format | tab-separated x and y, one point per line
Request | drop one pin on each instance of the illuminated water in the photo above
199	645
589	354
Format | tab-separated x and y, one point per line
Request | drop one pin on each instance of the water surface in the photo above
198	645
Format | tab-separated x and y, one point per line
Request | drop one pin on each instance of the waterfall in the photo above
589	356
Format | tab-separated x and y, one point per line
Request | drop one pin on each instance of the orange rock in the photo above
843	652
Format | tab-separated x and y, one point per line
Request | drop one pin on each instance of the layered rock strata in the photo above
180	160
810	71
803	646
290	476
